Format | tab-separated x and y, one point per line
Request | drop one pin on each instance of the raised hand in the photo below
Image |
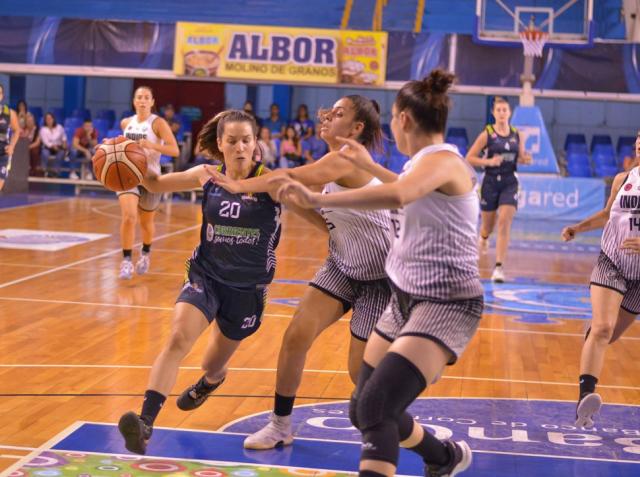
355	153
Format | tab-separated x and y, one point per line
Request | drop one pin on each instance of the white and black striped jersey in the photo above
358	239
137	130
624	222
433	251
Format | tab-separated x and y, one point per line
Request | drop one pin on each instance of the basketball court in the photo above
78	343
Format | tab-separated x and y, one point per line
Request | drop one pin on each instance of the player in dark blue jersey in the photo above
499	193
8	121
227	275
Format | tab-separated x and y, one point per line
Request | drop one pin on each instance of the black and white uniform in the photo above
354	271
135	131
228	273
500	183
5	123
433	267
619	269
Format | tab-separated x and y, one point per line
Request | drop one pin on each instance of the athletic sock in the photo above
146	247
432	450
587	385
283	405
126	253
151	406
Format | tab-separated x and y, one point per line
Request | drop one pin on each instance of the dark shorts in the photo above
5	166
498	190
367	298
238	311
451	324
606	274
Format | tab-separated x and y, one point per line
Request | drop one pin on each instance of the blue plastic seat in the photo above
581	158
601	139
458	132
37	113
58	113
574	139
82	113
108	114
604	170
72	123
115	132
579	170
578	147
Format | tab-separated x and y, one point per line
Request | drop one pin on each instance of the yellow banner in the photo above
280	54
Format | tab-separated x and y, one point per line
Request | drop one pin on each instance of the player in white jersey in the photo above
155	136
437	301
615	282
353	275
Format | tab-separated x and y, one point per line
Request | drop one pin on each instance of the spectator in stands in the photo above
85	141
302	124
290	149
22	112
314	147
54	144
275	123
169	114
268	148
248	108
30	133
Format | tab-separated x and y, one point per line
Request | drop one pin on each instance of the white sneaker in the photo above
588	407
142	265
498	275
74	175
276	433
126	269
483	245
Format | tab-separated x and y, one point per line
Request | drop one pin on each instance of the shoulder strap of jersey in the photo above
5	109
258	170
489	129
514	129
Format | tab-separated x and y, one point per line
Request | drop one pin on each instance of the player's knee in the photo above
129	217
179	343
353	410
299	335
602	333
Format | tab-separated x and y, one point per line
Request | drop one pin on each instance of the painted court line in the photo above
85	260
319	371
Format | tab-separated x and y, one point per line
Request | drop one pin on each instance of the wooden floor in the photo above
77	343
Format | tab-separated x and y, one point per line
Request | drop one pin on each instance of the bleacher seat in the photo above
58	113
577	147
102	126
574	139
578	158
386	130
600	139
458	132
72	123
108	114
114	132
605	170
600	158
579	169
69	131
126	114
625	142
82	113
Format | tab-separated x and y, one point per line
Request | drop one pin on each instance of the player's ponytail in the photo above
427	100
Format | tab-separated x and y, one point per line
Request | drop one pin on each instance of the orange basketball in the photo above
120	164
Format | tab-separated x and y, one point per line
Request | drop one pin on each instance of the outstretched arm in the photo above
360	157
190	179
599	219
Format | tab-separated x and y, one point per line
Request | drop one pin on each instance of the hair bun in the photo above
438	81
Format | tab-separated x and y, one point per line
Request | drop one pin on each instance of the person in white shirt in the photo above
54	144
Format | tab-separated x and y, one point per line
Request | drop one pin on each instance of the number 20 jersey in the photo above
624	222
239	236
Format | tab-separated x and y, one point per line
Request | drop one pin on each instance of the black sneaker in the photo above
461	457
196	394
135	431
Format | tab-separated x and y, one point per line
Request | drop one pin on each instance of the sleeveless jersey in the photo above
137	130
239	236
358	239
5	123
506	146
623	223
433	251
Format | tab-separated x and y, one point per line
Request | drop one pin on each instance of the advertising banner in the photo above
280	54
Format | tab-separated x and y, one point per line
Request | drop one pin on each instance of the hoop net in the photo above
533	41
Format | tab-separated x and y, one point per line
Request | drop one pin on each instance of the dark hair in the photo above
367	111
22	101
295	138
427	100
306	110
143	86
499	99
49	113
214	129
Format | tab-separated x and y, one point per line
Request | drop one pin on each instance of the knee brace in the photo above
366	371
394	384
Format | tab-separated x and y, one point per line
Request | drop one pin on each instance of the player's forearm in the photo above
596	221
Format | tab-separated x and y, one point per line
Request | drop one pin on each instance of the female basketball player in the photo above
8	120
499	192
227	274
437	299
154	135
353	275
615	282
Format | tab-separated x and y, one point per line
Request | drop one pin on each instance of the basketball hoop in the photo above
533	42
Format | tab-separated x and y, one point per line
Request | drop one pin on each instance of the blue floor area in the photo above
19	200
336	456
